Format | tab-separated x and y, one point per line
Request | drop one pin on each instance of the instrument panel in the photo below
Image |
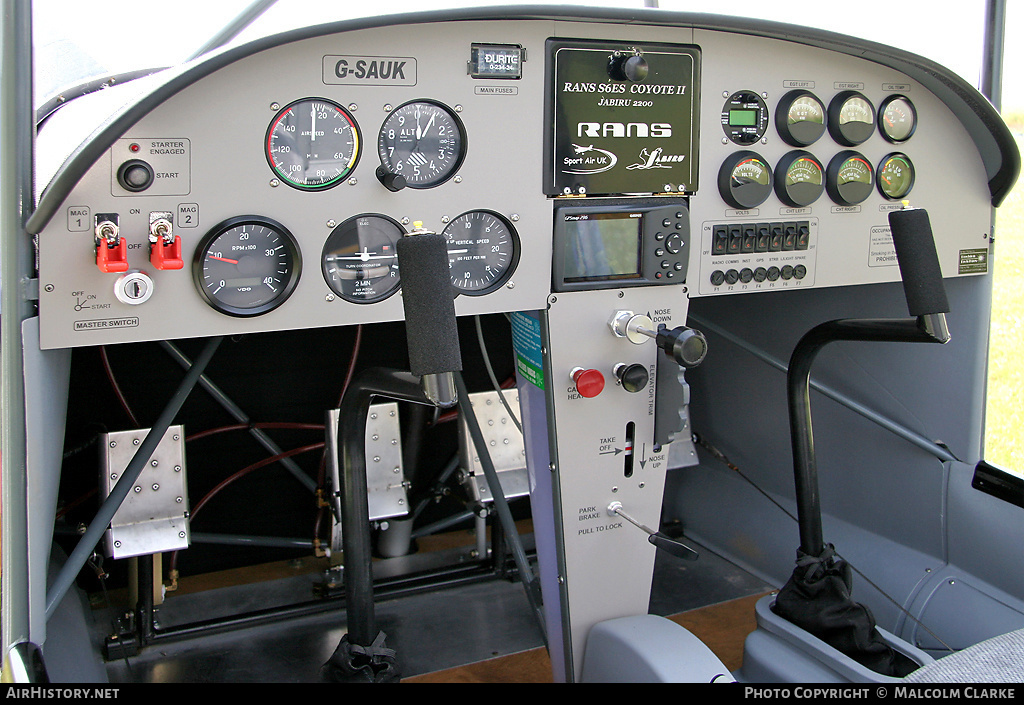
266	189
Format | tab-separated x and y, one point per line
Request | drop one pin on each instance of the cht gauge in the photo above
247	266
421	145
483	251
360	258
313	144
799	179
849	178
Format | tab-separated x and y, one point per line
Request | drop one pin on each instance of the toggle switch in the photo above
111	248
589	383
164	247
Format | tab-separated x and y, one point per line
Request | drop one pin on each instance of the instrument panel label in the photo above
624	118
369	70
974	261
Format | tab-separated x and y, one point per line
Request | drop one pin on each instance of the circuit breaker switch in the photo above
626	324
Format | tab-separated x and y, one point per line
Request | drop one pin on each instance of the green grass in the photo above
1004	415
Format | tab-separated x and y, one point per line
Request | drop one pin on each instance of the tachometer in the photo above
313	144
423	142
483	251
247	266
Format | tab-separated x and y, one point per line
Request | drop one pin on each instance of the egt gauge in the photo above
483	251
313	144
247	266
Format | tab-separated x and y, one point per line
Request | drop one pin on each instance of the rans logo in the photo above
619	129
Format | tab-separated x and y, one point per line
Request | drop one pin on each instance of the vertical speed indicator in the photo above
483	251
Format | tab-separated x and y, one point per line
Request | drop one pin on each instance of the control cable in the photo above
490	373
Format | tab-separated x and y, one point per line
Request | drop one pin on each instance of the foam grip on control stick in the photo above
919	263
427	295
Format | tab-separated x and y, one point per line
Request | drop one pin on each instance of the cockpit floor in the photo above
476	632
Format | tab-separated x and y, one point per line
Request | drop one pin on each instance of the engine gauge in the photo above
744	117
313	144
851	118
897	118
423	142
895	176
799	179
849	178
483	251
247	266
745	180
360	258
800	118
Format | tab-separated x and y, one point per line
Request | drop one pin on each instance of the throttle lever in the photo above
656	538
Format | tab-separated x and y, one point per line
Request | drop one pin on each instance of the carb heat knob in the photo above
589	383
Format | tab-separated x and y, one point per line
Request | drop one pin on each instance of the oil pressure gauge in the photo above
895	176
421	144
483	251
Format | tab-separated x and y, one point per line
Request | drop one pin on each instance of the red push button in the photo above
589	383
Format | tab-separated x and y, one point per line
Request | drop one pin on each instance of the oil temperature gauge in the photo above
897	118
895	176
360	258
483	251
850	178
